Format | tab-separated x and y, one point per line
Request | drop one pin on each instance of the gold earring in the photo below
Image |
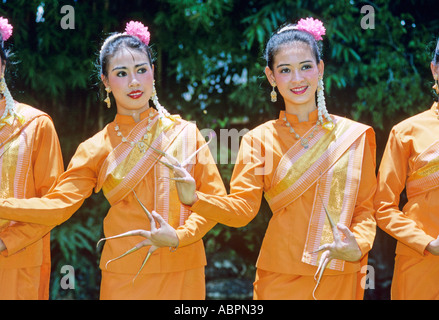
2	84
273	93
436	85
107	99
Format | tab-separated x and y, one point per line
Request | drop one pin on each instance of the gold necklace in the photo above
305	140
141	142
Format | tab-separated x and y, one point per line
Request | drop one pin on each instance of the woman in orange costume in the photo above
30	162
123	161
304	162
410	161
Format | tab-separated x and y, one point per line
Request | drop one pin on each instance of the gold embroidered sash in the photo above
16	144
333	162
126	165
167	202
425	176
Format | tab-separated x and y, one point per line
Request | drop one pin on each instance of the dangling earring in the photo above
273	93
107	99
2	84
436	85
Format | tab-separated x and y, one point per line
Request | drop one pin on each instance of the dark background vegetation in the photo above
209	68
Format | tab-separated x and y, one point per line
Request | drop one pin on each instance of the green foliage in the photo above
209	68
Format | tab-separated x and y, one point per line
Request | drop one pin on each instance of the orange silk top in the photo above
28	244
80	178
285	237
417	223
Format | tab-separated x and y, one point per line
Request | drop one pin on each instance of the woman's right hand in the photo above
433	247
186	186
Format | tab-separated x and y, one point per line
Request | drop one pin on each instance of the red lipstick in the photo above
299	90
135	94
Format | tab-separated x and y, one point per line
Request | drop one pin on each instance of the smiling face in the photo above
296	74
130	77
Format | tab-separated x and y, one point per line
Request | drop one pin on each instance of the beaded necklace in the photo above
141	142
304	141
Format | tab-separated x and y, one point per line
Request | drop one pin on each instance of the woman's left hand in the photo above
159	236
346	249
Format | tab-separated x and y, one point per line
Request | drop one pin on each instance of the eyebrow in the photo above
136	66
287	64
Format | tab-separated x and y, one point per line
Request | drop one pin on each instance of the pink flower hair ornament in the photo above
313	26
5	29
137	29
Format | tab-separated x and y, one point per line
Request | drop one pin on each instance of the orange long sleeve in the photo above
79	180
73	187
417	223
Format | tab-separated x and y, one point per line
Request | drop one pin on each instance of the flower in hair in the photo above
313	26
5	29
137	29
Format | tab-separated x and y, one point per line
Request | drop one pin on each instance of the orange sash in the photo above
16	145
333	162
425	176
126	165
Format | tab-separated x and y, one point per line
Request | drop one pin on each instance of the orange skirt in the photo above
415	279
276	286
183	285
30	283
